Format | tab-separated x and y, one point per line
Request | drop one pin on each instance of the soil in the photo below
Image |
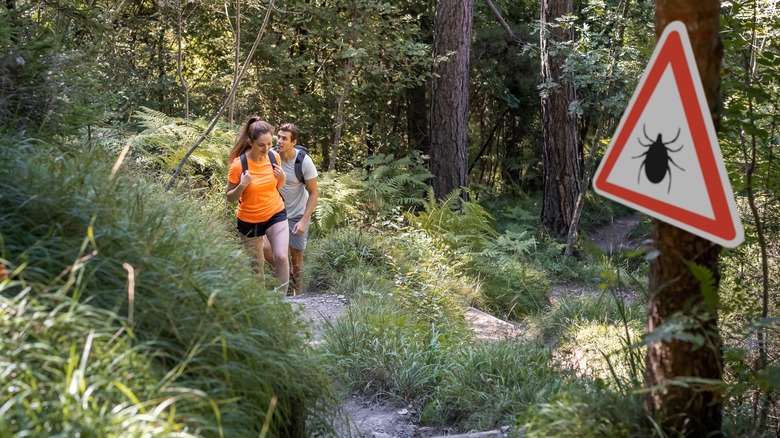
616	236
372	418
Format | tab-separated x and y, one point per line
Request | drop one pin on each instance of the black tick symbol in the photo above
657	159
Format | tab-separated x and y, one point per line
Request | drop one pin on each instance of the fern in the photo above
370	197
164	140
509	247
336	204
392	182
471	229
708	287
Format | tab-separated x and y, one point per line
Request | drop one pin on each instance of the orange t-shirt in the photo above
260	199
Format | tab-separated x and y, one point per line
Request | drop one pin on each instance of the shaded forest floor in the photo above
372	418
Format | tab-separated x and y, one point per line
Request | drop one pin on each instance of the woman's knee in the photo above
280	257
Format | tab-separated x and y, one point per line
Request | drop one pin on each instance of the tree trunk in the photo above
450	96
334	149
694	352
179	56
559	127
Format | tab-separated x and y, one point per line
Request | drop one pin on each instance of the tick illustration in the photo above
657	159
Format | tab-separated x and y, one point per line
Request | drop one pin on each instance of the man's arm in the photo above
311	187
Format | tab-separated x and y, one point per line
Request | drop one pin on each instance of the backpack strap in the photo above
244	164
299	157
244	168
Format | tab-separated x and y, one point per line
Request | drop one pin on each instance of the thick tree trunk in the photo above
695	408
559	127
450	96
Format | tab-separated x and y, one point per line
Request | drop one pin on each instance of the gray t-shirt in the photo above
294	192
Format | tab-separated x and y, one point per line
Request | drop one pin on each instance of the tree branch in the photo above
509	35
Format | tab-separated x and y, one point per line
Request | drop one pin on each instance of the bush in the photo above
383	350
347	261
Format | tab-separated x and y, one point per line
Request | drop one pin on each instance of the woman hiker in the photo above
254	180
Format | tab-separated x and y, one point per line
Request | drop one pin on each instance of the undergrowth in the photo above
179	280
403	337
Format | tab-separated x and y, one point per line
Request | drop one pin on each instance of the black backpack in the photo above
298	161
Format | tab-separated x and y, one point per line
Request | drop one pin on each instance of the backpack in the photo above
298	160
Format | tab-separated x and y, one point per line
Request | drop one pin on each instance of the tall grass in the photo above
487	385
384	351
583	409
179	273
73	369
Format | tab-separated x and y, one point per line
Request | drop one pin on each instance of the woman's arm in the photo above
233	191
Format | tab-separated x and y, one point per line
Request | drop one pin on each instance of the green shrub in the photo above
383	350
512	289
570	313
430	278
346	261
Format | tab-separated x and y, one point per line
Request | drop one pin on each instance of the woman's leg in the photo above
255	245
267	253
279	236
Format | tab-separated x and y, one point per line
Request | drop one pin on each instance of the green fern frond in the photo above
167	139
707	284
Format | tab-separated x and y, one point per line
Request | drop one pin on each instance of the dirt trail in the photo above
365	417
370	418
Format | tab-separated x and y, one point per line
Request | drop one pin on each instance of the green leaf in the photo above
707	285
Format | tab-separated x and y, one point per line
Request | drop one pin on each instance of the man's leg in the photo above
296	262
297	246
279	236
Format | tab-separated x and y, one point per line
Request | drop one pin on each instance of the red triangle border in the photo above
673	54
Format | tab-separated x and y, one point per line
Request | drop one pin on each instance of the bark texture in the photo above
559	128
694	409
450	96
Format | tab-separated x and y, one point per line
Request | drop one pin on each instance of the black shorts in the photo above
248	229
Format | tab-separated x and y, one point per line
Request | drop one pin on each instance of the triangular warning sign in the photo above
664	159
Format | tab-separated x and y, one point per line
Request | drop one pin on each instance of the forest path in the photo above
371	418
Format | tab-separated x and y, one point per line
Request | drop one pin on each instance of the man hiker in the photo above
300	197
